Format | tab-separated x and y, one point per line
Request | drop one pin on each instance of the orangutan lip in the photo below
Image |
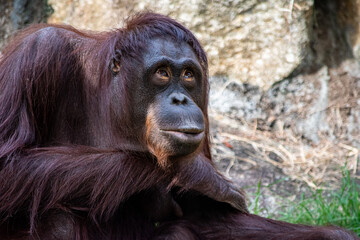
186	135
185	130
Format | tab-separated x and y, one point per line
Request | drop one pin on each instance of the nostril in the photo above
175	101
178	98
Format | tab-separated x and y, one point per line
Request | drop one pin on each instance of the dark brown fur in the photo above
69	171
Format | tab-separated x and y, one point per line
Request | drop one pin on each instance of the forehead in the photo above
165	47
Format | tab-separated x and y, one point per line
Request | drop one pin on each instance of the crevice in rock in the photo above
332	30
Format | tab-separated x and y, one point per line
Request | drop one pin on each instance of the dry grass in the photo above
318	165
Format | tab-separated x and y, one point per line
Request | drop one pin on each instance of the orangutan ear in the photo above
115	66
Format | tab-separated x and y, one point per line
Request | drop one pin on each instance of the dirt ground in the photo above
250	162
241	163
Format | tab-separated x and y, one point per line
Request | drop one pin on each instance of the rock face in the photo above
320	97
17	14
324	103
306	117
257	42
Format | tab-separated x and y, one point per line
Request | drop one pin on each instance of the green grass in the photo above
323	207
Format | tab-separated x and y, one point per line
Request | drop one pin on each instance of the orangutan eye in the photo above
163	74
188	76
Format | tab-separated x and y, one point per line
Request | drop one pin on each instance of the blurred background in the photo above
284	101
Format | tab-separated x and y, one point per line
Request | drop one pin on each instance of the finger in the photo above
237	200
